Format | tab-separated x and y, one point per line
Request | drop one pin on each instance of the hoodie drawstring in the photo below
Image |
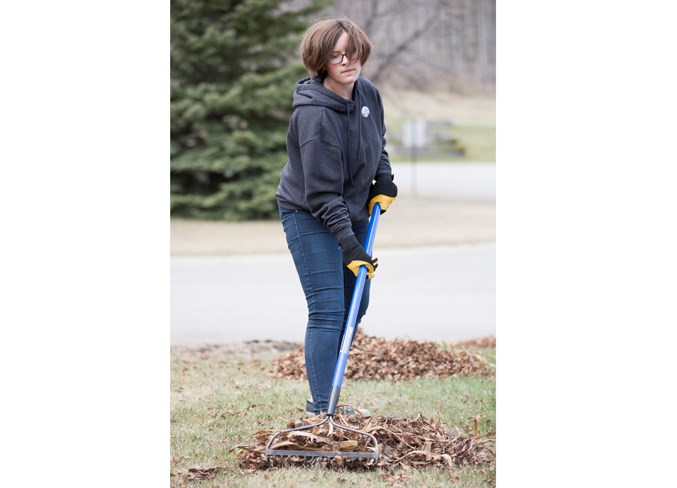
350	166
358	103
359	123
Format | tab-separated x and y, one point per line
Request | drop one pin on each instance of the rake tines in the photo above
312	451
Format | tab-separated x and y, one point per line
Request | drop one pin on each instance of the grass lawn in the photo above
473	118
479	141
221	396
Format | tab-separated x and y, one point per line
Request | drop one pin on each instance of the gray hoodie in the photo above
336	148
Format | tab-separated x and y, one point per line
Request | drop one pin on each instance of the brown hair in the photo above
320	38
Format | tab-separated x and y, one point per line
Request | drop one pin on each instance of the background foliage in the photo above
233	69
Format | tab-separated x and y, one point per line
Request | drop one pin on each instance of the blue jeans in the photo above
328	285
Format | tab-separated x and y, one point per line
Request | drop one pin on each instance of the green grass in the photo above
478	141
219	399
473	121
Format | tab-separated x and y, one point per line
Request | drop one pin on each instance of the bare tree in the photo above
396	51
447	44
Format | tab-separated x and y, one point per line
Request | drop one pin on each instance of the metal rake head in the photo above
273	452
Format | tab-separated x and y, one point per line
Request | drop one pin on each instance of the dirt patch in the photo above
403	443
375	358
487	342
247	348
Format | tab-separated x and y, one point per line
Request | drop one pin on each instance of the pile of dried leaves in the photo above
375	358
403	443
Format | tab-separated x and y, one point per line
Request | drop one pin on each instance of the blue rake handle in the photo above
342	360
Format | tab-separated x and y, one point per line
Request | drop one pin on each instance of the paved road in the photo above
424	293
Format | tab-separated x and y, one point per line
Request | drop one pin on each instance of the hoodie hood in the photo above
310	91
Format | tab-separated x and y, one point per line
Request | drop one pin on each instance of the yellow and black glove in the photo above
355	256
382	191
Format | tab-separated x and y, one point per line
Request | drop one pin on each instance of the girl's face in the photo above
347	70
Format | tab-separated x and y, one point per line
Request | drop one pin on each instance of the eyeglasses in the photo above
337	58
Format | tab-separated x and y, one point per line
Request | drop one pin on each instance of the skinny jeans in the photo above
328	286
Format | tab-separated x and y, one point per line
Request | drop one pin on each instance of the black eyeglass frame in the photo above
340	59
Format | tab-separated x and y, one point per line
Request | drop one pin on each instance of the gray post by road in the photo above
413	137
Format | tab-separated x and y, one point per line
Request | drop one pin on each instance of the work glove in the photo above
382	191
355	256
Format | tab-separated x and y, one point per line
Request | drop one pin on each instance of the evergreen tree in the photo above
233	68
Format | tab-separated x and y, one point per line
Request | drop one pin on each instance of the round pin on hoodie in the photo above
365	111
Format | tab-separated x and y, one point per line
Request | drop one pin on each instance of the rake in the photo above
273	452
